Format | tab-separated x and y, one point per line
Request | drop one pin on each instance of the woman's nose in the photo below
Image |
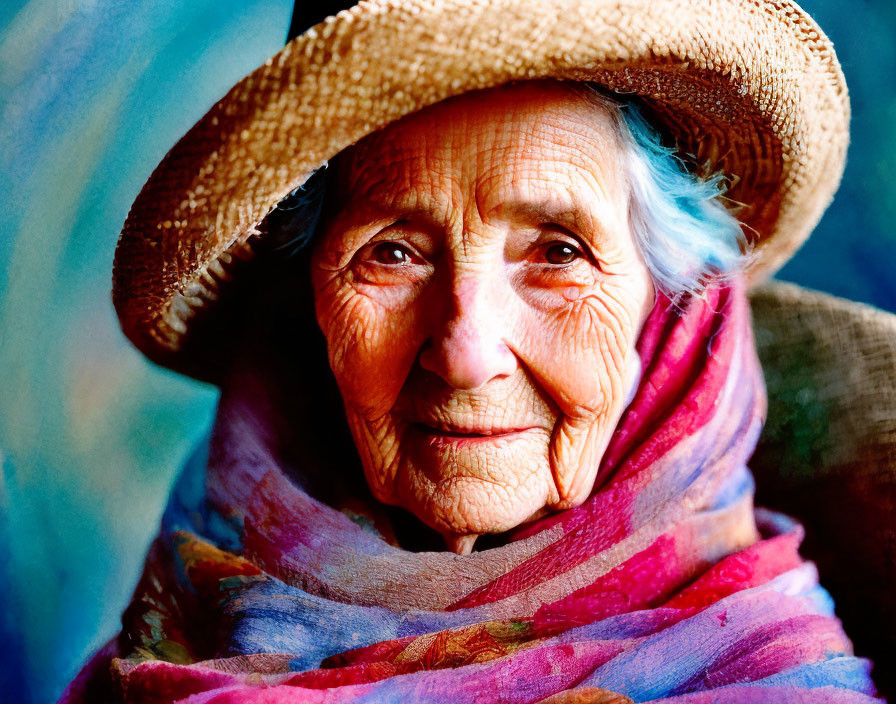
468	348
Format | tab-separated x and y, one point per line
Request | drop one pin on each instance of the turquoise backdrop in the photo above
92	95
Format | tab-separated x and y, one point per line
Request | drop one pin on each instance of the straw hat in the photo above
750	87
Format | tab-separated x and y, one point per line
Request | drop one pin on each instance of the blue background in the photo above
92	95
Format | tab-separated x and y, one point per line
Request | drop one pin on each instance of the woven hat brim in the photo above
748	87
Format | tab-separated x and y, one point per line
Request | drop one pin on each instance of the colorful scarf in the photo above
664	586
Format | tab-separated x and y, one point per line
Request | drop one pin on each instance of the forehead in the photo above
503	142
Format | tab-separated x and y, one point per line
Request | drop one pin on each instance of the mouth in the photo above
445	433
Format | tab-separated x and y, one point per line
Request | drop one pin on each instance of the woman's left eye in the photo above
560	253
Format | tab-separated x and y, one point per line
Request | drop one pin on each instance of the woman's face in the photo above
481	293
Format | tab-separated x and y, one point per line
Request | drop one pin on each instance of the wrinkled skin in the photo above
481	293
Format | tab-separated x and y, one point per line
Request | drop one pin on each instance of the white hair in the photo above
687	235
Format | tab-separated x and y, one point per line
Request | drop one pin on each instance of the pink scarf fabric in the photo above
664	586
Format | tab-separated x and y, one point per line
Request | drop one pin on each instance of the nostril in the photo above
427	357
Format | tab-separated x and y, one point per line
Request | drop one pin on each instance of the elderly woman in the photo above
528	315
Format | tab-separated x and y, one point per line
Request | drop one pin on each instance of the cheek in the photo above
371	345
583	347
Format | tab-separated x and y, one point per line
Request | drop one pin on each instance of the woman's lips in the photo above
466	435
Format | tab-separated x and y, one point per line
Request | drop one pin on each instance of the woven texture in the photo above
750	87
827	454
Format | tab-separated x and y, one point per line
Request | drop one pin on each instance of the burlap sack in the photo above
828	451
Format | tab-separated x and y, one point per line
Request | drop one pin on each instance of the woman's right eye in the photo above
392	254
390	262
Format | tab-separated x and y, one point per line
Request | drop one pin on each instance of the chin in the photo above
473	506
466	488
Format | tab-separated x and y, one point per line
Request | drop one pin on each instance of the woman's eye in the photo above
389	262
561	253
392	254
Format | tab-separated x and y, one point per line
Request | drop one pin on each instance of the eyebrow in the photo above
569	212
385	216
380	216
398	210
573	217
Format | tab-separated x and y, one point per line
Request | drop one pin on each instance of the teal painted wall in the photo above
92	95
